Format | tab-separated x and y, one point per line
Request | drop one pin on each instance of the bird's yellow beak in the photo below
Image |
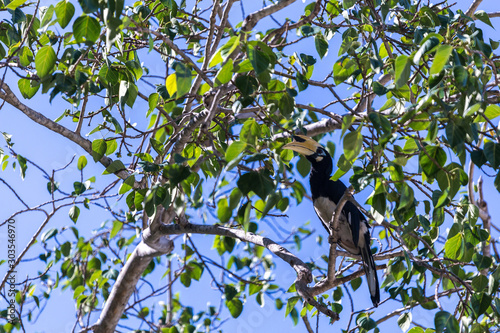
303	145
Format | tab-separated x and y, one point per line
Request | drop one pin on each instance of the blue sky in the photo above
51	151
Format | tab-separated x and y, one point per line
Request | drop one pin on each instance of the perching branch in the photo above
304	275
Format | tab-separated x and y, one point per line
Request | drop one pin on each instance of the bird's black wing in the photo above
335	191
359	231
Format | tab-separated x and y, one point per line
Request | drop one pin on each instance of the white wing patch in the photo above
324	209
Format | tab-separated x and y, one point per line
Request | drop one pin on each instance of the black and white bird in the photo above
353	234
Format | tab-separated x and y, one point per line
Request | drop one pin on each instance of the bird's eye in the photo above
321	152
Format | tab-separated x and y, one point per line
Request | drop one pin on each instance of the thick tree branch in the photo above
473	8
251	20
287	26
304	275
126	284
298	265
153	244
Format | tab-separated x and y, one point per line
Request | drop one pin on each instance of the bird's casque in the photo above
353	233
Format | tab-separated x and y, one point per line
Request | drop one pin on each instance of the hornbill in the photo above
353	233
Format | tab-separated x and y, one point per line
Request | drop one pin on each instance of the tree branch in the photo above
304	275
125	285
251	20
473	8
40	119
153	244
174	47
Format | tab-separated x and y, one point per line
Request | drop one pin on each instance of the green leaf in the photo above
353	142
379	203
127	185
15	3
481	262
82	162
250	132
26	89
45	60
117	226
186	279
455	134
482	16
79	188
365	322
270	203
230	292
426	46
23	165
478	158
492	111
108	74
52	187
235	307
407	197
379	89
380	122
257	182
225	73
48	234
246	84
303	166
356	283
480	303
89	6
492	153
74	212
480	283
444	320
64	12
404	321
441	57
290	304
111	146
453	246
302	82
259	60
224	213
98	149
403	71
153	101
183	78
114	167
497	182
176	173
461	76
94	263
321	45
347	4
416	330
234	149
428	158
86	29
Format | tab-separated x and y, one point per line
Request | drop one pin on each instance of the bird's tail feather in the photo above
370	272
